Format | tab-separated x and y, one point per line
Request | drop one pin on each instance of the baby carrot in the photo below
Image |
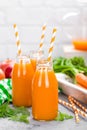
81	79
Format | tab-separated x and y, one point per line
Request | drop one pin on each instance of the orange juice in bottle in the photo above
80	44
35	56
44	92
22	75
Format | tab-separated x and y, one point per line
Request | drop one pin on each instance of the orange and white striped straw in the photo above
42	37
18	43
66	104
51	44
74	109
78	104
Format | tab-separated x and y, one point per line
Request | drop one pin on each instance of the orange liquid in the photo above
21	84
80	44
33	62
44	95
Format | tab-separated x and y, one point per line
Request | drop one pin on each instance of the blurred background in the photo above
30	15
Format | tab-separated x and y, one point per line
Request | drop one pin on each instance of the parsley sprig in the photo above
63	116
20	114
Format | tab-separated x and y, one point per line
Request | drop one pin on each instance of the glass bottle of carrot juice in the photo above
22	75
44	92
35	56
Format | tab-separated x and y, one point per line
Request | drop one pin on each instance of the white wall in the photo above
30	15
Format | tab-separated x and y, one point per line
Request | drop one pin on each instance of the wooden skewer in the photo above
66	104
74	109
78	104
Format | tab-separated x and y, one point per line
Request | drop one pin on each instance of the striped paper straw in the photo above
66	104
42	37
78	104
74	109
18	43
51	44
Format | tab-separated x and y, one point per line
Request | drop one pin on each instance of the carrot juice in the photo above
44	93
22	75
34	62
80	44
35	56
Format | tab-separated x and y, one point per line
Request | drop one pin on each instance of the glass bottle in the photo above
35	56
22	75
76	31
44	92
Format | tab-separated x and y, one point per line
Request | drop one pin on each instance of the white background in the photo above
30	15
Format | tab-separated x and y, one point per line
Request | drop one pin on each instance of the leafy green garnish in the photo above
60	90
70	66
63	116
78	61
20	118
14	113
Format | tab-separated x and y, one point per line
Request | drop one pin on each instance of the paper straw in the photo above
42	37
74	109
78	104
51	44
66	104
18	43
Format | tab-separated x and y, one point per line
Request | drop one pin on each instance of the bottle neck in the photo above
36	54
22	59
44	64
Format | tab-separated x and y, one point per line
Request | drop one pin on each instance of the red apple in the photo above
8	71
0	64
7	66
2	74
4	64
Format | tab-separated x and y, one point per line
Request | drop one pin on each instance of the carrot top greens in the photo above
70	66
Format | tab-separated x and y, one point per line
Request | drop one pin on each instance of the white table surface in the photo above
70	124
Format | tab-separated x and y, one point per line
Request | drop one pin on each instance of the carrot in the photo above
81	79
81	86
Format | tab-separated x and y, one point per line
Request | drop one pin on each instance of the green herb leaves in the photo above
22	114
70	66
17	113
63	116
20	118
60	90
